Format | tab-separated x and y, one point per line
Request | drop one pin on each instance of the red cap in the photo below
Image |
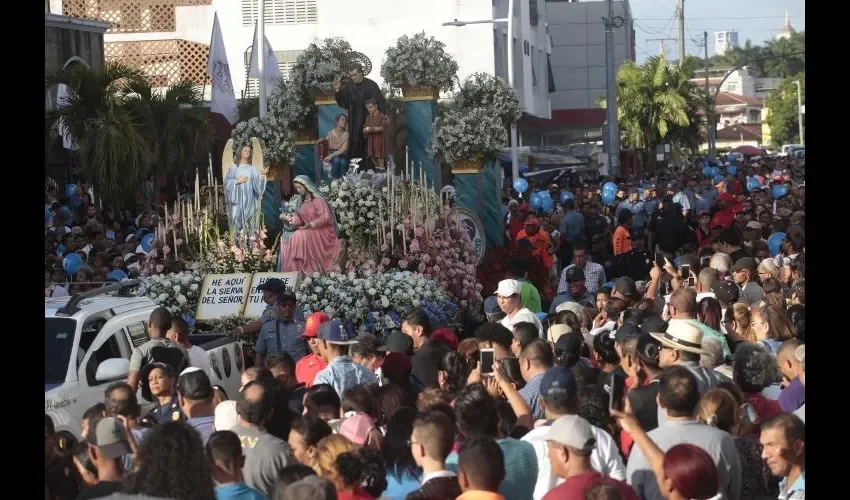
314	321
446	336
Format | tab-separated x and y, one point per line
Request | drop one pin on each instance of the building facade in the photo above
739	82
725	41
169	39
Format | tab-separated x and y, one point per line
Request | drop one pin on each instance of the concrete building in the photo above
69	41
725	41
733	109
578	70
169	39
740	82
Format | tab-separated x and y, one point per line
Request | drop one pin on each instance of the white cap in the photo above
507	288
226	417
572	431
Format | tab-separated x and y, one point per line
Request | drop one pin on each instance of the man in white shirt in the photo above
559	397
508	296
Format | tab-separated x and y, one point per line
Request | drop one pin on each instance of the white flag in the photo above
271	71
222	99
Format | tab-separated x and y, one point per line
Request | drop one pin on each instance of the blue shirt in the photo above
530	393
637	209
797	490
238	491
204	426
520	468
398	488
290	339
342	373
572	226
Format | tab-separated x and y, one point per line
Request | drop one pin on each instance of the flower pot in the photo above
320	98
468	166
416	93
303	137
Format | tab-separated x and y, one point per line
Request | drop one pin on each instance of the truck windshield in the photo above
58	343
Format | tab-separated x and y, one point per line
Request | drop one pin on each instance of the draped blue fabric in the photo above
327	118
420	120
479	192
305	160
271	205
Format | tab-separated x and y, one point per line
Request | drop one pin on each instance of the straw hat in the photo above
682	336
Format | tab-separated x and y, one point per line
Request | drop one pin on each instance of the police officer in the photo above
159	379
283	334
271	289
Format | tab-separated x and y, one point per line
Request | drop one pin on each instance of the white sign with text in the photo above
255	306
223	295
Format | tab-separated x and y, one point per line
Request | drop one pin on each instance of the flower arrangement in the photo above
225	254
321	63
464	134
482	90
445	255
355	205
292	107
376	303
278	142
419	61
177	292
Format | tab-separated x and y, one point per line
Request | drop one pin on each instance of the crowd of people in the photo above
651	348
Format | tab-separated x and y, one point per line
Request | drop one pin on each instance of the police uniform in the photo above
278	336
162	413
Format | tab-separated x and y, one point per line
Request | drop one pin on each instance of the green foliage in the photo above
782	118
776	58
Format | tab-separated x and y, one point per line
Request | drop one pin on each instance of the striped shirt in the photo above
797	491
530	393
594	277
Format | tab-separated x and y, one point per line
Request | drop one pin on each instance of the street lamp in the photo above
510	21
799	111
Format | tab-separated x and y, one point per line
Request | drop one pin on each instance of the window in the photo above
526	47
731	87
114	347
532	12
533	73
755	116
138	333
281	12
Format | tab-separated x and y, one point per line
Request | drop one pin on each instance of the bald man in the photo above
793	395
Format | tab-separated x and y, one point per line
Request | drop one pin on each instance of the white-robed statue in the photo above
244	184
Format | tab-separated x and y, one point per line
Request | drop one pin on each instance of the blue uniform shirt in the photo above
290	339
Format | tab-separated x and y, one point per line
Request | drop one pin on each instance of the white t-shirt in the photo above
199	358
604	459
522	315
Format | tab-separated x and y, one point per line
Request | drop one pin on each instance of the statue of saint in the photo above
337	149
375	131
352	97
309	240
244	184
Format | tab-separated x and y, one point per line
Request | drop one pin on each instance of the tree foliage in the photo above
776	58
782	118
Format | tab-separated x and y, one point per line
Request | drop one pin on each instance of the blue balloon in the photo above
566	195
608	197
715	171
732	170
147	242
521	185
70	190
541	316
116	275
753	184
60	249
774	243
546	194
718	179
706	171
71	263
46	214
778	191
610	186
547	204
536	201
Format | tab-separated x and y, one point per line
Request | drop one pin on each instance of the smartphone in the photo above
659	259
487	357
685	270
616	387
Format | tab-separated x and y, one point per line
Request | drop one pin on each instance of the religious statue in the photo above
309	242
374	127
352	97
244	184
335	162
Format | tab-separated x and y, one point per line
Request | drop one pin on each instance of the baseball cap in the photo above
357	428
109	436
575	274
272	285
507	288
168	369
194	384
334	332
314	321
754	225
226	417
446	337
743	263
129	256
726	291
572	431
626	287
558	383
397	342
286	295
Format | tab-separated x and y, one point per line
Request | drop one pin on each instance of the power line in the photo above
721	18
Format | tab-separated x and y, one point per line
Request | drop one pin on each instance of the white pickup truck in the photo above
88	340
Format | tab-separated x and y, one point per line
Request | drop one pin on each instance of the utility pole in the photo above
681	13
260	51
661	45
799	111
613	142
709	107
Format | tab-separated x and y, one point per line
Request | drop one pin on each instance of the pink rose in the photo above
166	250
426	258
160	268
422	267
385	261
414	246
436	269
403	264
420	231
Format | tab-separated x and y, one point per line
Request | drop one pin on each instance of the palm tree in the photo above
177	128
110	137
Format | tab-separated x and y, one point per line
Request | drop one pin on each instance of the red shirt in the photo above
308	367
575	487
357	494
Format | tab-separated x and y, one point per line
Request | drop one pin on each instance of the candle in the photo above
215	193
162	236
406	158
391	206
197	191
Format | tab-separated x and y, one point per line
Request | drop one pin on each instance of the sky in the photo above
757	20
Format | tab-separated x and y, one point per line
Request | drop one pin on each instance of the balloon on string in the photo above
753	184
778	191
547	204
566	195
71	263
715	171
774	242
116	275
147	242
706	171
609	186
608	197
732	170
521	185
546	194
536	201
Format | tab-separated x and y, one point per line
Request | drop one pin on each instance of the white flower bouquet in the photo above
355	205
419	61
376	303
482	90
322	63
465	134
177	292
278	142
291	106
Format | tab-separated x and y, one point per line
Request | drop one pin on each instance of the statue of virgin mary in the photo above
309	241
244	184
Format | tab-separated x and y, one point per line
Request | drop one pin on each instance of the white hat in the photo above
572	431
507	288
129	256
226	417
753	225
575	308
682	336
